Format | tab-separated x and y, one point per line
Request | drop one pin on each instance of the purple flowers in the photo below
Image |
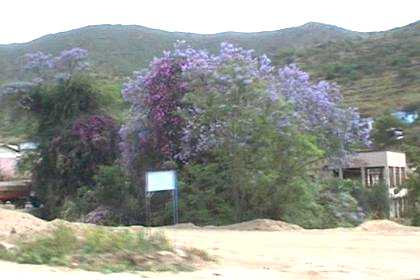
38	61
95	129
166	107
63	65
71	60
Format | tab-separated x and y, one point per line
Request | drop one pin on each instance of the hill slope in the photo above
376	71
119	49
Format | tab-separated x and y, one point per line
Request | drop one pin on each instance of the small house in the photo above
380	167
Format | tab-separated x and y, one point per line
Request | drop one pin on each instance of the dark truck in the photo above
14	190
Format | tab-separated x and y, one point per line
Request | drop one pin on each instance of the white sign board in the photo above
160	181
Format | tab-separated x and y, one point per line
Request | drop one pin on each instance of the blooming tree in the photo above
173	104
75	137
43	69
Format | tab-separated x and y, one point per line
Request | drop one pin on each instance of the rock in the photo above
165	254
181	253
168	257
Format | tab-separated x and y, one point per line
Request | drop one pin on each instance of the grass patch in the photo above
200	254
104	250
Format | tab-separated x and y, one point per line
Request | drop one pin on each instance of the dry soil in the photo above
260	249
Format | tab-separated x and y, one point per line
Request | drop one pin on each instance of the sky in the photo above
25	20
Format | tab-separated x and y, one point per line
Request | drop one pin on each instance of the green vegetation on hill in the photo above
118	50
376	73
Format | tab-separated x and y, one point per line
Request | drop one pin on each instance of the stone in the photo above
181	253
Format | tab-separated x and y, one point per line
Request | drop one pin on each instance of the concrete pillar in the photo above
402	206
363	172
340	173
394	176
386	176
392	208
368	182
399	176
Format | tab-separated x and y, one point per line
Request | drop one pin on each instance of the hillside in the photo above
376	71
119	50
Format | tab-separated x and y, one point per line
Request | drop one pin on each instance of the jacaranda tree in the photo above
240	131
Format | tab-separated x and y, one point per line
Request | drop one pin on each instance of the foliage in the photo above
113	200
73	133
249	88
381	135
375	200
243	134
128	47
48	250
371	68
341	206
413	186
71	159
102	250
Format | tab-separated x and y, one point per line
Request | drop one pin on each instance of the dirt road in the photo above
302	254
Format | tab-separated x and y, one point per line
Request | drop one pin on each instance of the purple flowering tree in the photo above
180	91
42	69
46	67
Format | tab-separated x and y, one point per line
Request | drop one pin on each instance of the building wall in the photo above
8	163
377	159
395	159
8	168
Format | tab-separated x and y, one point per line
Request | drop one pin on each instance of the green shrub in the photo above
105	250
52	249
374	200
415	221
113	193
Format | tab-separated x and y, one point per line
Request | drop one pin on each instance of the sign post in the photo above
162	181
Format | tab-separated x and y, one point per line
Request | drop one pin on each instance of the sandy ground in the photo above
375	250
331	254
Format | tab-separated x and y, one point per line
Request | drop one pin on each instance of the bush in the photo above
415	221
113	200
374	200
341	208
101	249
49	250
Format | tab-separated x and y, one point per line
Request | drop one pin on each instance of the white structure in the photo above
376	167
9	156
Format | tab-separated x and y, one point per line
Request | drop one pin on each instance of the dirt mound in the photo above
183	226
384	226
257	225
19	223
263	225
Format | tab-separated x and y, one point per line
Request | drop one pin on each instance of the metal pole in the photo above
175	202
177	205
174	206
